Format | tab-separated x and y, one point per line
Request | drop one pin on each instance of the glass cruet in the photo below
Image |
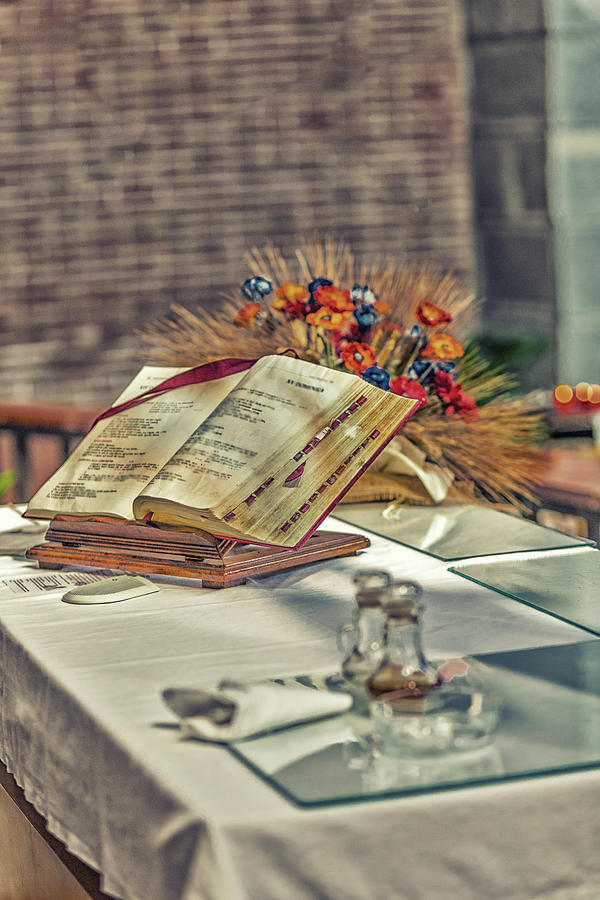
404	677
362	641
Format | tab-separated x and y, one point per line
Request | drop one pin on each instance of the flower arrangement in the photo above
402	329
351	329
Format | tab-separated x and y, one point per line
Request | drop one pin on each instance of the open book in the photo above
260	455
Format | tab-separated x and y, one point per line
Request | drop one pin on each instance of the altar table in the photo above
85	733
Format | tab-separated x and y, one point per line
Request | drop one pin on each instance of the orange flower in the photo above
328	319
382	307
293	293
247	315
334	298
292	300
357	357
443	346
431	315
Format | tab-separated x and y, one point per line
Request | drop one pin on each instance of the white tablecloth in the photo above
84	732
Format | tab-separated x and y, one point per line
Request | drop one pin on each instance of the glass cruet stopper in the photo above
362	641
404	676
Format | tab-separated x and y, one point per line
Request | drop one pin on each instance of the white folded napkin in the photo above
16	533
233	710
401	457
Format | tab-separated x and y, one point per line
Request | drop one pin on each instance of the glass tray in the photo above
455	532
550	723
564	586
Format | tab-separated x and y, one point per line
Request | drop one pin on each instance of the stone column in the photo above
574	182
515	235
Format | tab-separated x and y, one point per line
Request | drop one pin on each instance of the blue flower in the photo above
366	315
422	371
425	371
312	304
317	283
377	376
421	338
256	288
362	294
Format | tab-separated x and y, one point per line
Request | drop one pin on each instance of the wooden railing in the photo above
569	490
36	438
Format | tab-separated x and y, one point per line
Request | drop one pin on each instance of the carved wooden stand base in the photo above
104	543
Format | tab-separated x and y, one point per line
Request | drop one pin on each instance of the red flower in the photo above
350	334
454	397
464	405
357	357
336	299
291	300
431	315
408	387
443	384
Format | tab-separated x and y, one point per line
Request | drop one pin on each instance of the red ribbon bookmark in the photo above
207	372
220	368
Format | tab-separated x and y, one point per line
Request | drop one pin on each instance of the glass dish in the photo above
547	720
455	532
565	585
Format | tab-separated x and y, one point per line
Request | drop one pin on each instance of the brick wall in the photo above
146	144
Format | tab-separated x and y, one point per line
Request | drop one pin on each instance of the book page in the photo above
255	429
274	457
122	453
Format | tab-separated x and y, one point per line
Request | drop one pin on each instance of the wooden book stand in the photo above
106	543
